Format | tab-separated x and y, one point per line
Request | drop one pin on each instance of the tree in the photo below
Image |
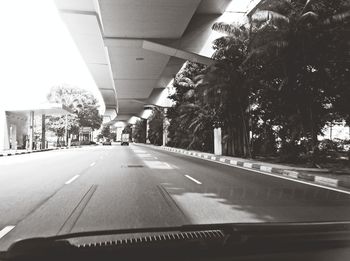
127	129
155	131
84	106
295	61
113	136
302	46
106	132
139	132
191	125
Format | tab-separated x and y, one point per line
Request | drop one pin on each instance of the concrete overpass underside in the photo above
133	48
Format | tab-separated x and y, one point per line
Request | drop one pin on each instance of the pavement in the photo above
314	175
24	151
114	187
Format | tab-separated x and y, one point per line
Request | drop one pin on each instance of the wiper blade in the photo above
227	227
194	238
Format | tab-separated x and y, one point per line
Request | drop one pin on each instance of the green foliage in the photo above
128	129
155	131
277	80
139	131
113	136
106	132
190	122
83	104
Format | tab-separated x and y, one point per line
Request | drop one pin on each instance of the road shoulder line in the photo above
305	178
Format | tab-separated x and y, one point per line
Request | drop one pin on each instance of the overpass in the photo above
134	48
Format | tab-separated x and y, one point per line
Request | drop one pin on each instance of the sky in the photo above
36	53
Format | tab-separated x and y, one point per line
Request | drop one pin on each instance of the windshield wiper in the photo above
196	240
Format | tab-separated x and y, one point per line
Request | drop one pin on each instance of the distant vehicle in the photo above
107	142
125	139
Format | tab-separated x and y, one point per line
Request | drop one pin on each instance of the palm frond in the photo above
271	49
338	18
189	94
230	29
309	17
280	6
262	16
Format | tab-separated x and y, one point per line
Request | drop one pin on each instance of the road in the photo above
111	187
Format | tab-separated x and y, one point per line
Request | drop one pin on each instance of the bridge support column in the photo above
165	128
147	129
4	135
217	142
31	130
43	130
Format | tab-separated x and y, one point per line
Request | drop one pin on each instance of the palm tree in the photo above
301	45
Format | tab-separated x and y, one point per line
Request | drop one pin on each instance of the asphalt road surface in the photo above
112	187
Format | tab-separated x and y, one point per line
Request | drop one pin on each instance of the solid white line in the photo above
5	230
194	180
279	176
72	179
92	164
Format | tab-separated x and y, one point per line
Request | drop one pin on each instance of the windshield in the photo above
137	114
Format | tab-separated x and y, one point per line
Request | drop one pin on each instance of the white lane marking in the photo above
92	164
157	164
193	179
72	179
139	151
155	157
145	155
5	230
174	166
279	176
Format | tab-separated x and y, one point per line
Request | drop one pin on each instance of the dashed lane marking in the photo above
5	230
193	179
92	164
72	179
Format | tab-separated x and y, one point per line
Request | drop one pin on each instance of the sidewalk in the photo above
314	175
22	151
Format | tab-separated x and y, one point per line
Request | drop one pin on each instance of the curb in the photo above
331	182
35	151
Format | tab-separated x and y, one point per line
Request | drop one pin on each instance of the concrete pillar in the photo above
31	130
165	128
66	131
43	130
13	137
70	140
147	128
3	131
217	142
